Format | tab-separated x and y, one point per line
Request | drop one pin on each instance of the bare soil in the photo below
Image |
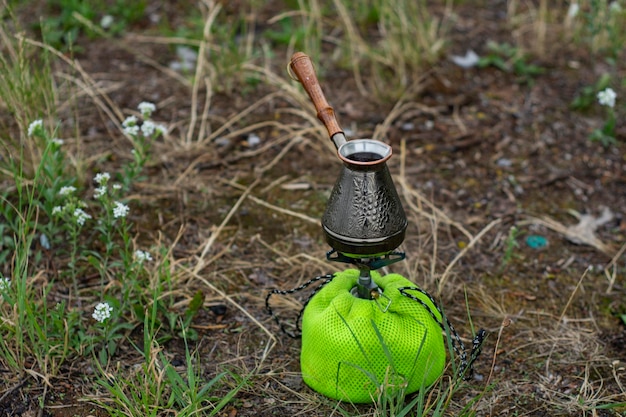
482	146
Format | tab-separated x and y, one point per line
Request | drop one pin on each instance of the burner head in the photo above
364	216
355	247
370	263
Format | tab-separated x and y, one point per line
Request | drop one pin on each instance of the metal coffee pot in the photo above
364	218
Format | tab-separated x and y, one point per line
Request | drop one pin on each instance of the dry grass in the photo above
540	358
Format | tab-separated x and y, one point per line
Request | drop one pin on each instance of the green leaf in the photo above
610	406
603	82
111	347
102	357
522	68
494	61
139	311
94	261
189	333
194	306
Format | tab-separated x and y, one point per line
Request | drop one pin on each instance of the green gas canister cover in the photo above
342	354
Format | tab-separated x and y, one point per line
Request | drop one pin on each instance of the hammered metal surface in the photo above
364	205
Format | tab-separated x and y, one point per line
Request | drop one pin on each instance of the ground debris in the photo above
582	233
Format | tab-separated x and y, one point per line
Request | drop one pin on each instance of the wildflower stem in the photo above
108	241
74	232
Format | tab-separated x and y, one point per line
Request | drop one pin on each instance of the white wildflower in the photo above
146	108
102	178
573	10
254	140
607	97
64	191
130	126
81	216
44	241
4	284
102	311
141	256
57	210
106	21
130	121
35	127
147	128
57	141
131	130
117	186
99	192
615	7
160	129
120	210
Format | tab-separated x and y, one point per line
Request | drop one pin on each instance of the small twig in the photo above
284	211
286	148
571	297
13	388
475	239
163	40
612	264
505	323
200	162
437	214
209	243
399	109
199	75
209	327
290	89
140	56
273	207
37	375
42	401
239	116
87	84
224	296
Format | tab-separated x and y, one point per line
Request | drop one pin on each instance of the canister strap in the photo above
466	369
298	333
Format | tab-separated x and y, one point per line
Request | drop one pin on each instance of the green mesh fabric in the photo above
333	362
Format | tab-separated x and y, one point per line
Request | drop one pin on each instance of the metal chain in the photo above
466	369
298	333
477	345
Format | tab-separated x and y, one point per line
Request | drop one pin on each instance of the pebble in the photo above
253	140
504	162
536	241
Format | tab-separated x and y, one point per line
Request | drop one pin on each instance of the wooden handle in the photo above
302	68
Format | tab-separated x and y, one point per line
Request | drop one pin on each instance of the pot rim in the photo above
356	146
